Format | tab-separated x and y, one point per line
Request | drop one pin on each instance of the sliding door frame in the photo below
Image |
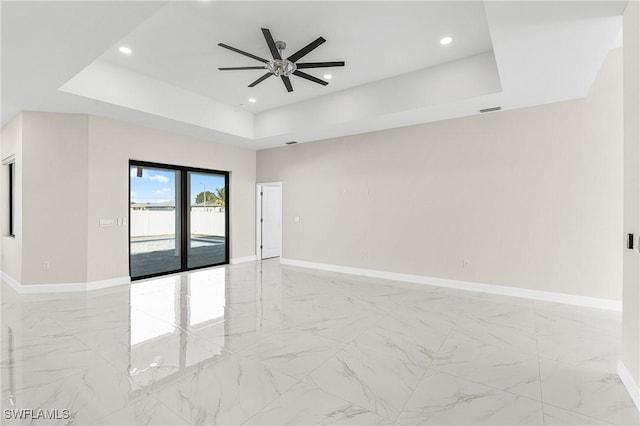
185	213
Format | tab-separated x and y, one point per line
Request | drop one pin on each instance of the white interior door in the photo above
271	221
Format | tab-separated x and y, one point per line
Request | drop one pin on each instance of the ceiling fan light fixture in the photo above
281	67
125	50
327	76
252	100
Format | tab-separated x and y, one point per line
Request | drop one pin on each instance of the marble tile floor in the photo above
268	344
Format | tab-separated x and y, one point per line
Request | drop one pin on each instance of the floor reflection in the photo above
110	350
176	322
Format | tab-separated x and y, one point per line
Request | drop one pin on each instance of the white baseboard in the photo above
113	282
13	283
236	260
62	287
629	383
592	302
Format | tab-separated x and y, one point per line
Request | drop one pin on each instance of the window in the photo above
11	195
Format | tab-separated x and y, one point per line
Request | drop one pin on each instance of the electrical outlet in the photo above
465	263
46	265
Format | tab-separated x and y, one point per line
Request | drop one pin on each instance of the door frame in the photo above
259	186
185	215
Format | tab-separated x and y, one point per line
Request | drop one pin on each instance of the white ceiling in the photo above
63	56
179	44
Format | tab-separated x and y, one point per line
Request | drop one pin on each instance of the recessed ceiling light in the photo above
125	50
327	76
252	100
446	40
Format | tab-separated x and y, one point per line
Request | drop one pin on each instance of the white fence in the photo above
207	223
147	223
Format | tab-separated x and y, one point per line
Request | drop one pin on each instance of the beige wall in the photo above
73	170
631	303
112	144
531	198
54	203
11	143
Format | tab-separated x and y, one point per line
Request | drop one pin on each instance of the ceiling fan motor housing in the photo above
279	67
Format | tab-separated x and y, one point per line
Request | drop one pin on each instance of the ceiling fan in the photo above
283	67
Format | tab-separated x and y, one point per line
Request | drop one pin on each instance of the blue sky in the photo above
157	185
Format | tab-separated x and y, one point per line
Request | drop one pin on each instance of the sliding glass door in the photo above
178	218
207	219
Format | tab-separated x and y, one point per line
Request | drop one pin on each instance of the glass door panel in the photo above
155	221
207	219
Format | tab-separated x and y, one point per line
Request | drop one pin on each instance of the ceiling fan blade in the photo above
241	68
287	83
242	52
261	79
304	65
272	44
310	77
305	50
